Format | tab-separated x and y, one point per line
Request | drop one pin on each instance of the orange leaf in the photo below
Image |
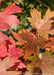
50	43
32	44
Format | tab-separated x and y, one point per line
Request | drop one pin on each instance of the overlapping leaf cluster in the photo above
9	54
43	26
44	38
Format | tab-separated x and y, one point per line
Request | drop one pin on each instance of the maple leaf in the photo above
15	52
30	41
10	43
3	51
19	65
0	1
50	44
44	25
12	8
6	64
6	17
41	66
3	38
8	48
12	50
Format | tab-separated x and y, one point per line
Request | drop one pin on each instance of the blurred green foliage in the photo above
27	6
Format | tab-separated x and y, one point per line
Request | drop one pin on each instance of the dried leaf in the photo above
44	25
6	64
42	66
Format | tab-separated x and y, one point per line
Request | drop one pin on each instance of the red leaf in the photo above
1	0
19	65
6	17
3	51
12	8
10	43
3	38
15	52
10	47
3	25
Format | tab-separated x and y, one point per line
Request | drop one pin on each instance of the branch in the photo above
43	4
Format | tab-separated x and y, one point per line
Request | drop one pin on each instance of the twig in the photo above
43	4
16	2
